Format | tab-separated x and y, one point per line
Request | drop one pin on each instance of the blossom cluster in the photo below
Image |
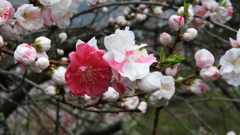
28	17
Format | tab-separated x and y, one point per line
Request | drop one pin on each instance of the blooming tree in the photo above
65	61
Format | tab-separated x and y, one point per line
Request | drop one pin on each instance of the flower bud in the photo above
111	95
121	20
131	102
104	9
140	17
62	36
210	74
176	22
34	68
51	91
231	133
165	38
142	106
157	10
172	71
60	52
58	75
1	41
42	63
198	87
42	44
86	97
204	58
189	34
156	102
189	14
25	54
149	84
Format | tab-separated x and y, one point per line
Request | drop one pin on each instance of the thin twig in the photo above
180	122
156	119
196	114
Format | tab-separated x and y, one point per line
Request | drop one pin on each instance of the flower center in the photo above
166	86
86	74
236	63
28	17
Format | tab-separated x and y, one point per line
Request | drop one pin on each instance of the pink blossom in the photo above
198	87
29	17
25	54
235	43
173	71
6	12
176	22
111	95
204	58
142	106
167	88
125	56
47	17
123	84
209	4
165	38
230	69
210	73
87	72
149	84
131	102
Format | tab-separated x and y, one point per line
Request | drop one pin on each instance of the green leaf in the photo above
162	56
172	60
186	6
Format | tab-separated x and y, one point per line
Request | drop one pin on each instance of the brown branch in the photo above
156	119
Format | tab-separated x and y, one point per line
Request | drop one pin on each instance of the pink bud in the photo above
111	95
121	20
198	87
60	52
58	75
142	106
131	102
149	84
62	36
210	74
1	41
140	17
104	9
42	63
155	102
189	15
204	58
25	54
42	43
165	38
51	91
176	22
189	34
172	71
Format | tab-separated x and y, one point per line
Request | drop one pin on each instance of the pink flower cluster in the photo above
31	18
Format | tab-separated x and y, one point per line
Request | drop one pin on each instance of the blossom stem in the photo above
156	119
172	47
186	78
